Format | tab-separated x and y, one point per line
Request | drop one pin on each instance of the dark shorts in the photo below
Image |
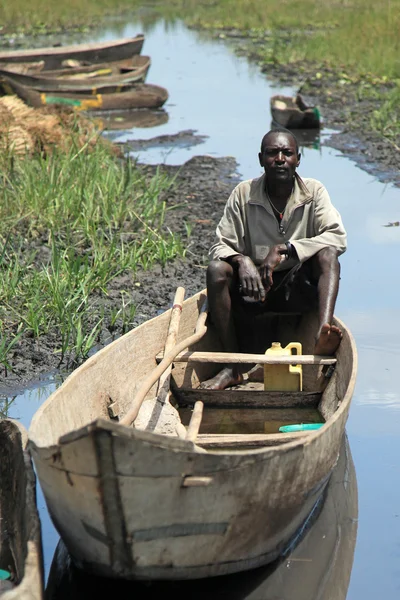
294	291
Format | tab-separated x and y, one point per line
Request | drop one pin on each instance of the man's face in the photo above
279	157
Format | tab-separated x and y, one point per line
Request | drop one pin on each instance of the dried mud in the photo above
202	187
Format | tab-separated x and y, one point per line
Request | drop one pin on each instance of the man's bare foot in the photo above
224	379
328	340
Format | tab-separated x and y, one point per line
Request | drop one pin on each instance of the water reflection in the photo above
124	120
319	566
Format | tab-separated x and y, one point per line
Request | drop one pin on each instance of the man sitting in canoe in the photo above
277	249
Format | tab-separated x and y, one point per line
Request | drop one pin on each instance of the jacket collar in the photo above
300	194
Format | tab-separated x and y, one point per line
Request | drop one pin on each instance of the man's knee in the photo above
328	258
218	272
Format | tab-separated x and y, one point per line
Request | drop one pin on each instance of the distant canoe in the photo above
104	77
140	95
293	113
96	52
20	532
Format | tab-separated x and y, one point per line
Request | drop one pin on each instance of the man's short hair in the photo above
280	130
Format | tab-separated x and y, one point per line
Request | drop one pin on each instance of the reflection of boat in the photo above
107	76
319	566
20	536
129	119
152	504
96	52
138	95
292	112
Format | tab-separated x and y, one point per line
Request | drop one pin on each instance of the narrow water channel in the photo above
224	98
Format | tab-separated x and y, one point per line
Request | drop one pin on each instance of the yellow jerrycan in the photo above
283	378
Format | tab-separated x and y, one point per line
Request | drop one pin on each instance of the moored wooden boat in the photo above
95	52
138	95
96	78
292	112
161	501
20	535
317	567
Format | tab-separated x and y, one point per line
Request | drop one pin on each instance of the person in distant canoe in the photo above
277	249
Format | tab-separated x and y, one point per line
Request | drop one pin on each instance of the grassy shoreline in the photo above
69	225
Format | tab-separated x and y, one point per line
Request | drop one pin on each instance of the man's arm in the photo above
230	230
328	227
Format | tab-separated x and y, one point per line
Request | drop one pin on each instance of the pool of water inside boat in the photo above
250	420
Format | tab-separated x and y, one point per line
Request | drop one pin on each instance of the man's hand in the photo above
249	277
269	264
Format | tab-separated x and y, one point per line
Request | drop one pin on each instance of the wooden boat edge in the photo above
31	587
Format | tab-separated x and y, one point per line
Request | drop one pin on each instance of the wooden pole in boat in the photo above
168	359
163	391
195	422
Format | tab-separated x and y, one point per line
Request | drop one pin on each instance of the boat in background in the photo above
20	532
55	56
180	495
136	95
293	113
103	78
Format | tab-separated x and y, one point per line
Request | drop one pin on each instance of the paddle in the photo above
168	359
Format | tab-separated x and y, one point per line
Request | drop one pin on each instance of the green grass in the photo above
69	225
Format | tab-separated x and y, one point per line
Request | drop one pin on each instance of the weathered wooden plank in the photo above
232	441
195	422
246	398
265	359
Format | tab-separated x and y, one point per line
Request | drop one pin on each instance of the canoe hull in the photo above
53	57
121	74
292	113
20	533
134	504
141	95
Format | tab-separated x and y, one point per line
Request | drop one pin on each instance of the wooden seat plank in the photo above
241	358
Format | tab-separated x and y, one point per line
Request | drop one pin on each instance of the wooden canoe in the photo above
96	52
138	95
158	500
20	534
318	566
103	78
293	113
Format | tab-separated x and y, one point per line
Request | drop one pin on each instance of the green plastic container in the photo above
300	427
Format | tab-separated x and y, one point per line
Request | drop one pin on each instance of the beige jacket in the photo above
248	226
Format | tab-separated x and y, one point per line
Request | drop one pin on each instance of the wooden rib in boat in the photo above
144	502
293	113
138	95
20	535
107	77
95	52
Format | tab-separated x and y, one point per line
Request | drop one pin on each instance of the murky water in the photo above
224	98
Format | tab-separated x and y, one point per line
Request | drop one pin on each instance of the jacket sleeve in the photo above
328	228
230	230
